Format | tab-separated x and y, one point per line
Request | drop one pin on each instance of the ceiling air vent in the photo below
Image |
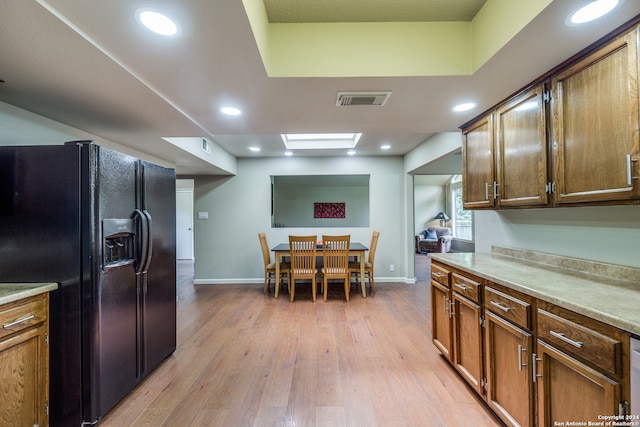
206	146
345	99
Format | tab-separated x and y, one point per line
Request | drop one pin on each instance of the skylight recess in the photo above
320	141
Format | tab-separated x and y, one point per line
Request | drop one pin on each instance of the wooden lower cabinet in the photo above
24	362
467	340
441	318
510	391
535	363
568	390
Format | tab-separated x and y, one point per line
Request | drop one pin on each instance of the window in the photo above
461	220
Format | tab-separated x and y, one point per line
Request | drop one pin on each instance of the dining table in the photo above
356	249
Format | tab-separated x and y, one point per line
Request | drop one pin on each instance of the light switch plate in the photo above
203	215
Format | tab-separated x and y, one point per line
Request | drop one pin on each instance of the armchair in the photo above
434	239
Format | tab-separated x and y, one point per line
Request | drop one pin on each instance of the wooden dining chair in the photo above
335	256
270	267
354	267
303	262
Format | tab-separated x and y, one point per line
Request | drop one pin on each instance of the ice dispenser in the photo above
118	242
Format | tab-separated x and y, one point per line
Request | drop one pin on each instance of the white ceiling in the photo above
89	65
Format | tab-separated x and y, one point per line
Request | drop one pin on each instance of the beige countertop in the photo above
10	292
605	292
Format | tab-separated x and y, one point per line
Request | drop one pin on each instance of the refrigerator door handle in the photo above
149	241
142	238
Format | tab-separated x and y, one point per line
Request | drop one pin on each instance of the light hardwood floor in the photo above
245	359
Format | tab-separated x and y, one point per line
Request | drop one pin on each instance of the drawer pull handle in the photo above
451	312
437	274
17	322
534	359
520	363
561	336
501	306
446	306
461	286
630	161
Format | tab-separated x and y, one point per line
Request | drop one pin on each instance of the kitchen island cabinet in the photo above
24	356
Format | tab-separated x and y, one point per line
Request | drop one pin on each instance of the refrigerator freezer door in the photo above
109	294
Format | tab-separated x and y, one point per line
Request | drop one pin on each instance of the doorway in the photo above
184	220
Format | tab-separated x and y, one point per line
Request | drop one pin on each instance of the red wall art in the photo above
329	210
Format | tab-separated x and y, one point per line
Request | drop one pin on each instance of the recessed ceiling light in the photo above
157	22
592	10
464	107
288	153
385	147
254	149
351	152
231	111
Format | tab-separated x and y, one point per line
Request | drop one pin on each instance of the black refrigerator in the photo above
102	225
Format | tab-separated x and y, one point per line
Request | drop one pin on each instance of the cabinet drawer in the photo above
20	315
508	307
440	274
465	286
602	350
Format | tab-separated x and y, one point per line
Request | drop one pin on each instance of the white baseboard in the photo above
261	281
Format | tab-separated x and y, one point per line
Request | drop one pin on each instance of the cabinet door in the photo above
569	390
441	318
509	380
521	151
23	368
467	345
477	165
595	115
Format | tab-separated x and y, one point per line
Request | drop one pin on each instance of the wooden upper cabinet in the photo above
505	155
583	146
478	165
521	151
596	124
